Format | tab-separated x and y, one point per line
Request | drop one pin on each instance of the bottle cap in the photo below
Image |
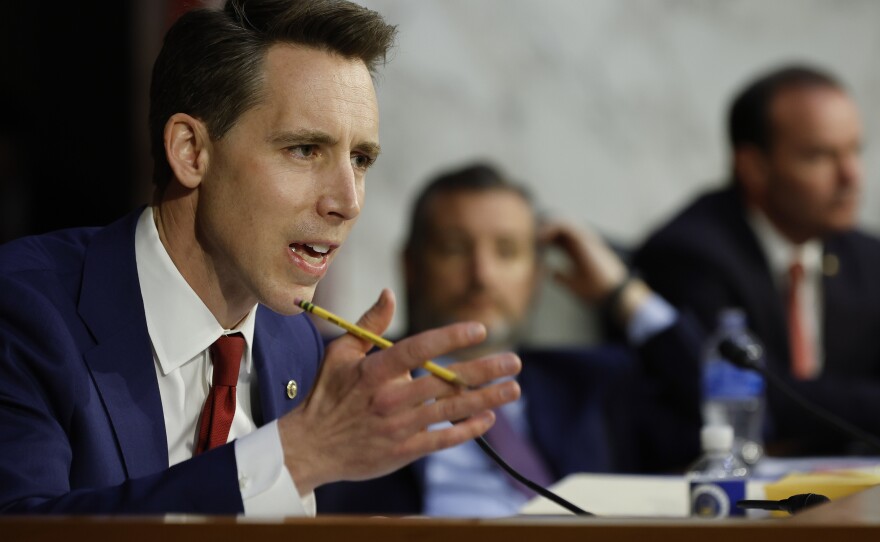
717	438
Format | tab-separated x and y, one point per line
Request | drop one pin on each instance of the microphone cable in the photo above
448	376
748	357
537	488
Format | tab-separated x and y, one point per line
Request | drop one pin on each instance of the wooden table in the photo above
854	518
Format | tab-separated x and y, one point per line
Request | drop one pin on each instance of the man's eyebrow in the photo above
301	137
369	148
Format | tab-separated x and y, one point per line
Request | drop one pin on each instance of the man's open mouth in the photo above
311	252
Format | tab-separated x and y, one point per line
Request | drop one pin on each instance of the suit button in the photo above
291	389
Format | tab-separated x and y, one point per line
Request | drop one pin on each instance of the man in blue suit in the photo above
159	364
473	253
780	243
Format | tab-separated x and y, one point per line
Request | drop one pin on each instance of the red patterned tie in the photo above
219	407
803	362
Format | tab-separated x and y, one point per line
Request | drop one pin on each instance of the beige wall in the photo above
611	110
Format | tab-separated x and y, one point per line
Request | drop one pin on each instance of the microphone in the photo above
746	353
745	356
793	504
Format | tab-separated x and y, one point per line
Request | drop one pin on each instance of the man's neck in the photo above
176	223
778	249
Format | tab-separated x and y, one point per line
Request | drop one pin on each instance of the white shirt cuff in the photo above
652	317
267	489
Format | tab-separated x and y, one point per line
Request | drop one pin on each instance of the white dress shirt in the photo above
181	330
781	254
463	482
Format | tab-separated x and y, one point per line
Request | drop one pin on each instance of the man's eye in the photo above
452	248
303	151
508	250
361	161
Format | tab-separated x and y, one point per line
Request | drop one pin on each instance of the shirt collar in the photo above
780	252
179	323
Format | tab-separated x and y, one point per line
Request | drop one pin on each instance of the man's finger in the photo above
376	320
426	442
378	317
461	406
403	394
412	352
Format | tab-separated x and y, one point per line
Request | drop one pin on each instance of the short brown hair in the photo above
211	62
476	177
749	121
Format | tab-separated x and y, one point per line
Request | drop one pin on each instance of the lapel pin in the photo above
291	389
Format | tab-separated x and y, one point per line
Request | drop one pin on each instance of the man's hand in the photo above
595	270
367	417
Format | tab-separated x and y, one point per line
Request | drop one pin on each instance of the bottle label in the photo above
717	499
723	380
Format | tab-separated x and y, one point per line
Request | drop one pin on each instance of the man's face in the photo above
813	167
285	185
478	262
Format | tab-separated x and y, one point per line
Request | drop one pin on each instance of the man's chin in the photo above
286	302
500	338
839	225
487	315
502	335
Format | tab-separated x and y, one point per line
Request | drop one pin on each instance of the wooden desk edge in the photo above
854	518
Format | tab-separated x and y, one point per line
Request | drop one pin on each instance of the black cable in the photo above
546	493
748	357
792	505
838	423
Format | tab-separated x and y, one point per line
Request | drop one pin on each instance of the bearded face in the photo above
478	263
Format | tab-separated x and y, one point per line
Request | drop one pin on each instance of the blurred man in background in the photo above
780	242
474	253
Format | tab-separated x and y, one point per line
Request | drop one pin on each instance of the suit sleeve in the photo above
668	418
197	486
686	282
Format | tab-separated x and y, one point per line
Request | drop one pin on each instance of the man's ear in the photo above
187	148
753	173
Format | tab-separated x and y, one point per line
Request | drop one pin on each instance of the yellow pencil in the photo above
440	372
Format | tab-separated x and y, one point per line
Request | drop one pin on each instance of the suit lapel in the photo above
850	307
285	350
567	428
761	298
121	362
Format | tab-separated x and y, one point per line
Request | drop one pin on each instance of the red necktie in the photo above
219	407
803	362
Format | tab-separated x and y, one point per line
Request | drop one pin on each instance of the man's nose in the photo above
341	194
849	170
484	267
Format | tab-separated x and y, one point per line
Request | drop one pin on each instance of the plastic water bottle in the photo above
733	396
717	480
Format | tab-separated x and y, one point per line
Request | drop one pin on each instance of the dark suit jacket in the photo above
81	421
590	410
708	258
